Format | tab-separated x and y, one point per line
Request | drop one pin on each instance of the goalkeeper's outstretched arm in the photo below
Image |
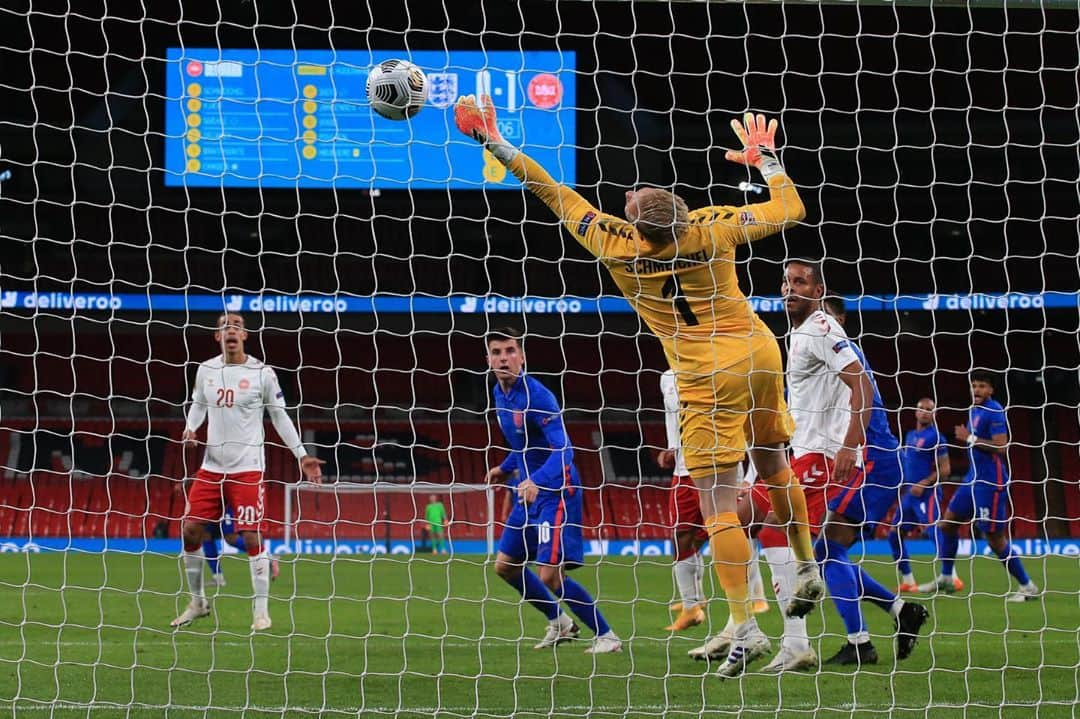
577	213
589	226
784	208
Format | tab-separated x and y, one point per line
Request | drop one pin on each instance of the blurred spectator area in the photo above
119	478
91	422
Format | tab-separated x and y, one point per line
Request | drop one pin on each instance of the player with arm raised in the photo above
545	524
984	494
677	269
232	393
838	410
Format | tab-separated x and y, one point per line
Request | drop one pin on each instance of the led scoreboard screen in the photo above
301	119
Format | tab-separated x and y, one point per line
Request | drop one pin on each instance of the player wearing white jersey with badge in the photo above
232	393
838	411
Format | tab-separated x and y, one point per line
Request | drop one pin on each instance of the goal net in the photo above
164	163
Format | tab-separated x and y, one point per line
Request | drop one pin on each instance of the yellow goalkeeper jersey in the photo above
688	294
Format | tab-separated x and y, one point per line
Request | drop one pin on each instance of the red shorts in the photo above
211	491
813	472
684	507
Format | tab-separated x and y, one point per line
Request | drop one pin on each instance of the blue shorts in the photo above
986	503
224	528
872	490
915	512
550	534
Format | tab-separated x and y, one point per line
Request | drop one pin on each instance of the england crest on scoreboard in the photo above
442	88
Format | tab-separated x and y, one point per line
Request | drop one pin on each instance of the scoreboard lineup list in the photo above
301	119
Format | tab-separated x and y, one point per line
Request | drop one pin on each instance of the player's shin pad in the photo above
789	503
731	555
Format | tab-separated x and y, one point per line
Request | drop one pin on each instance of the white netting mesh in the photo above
161	163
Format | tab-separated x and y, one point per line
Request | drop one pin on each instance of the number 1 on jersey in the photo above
673	289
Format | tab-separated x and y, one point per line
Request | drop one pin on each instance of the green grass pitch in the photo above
87	635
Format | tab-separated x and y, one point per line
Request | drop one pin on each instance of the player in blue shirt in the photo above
857	503
984	495
925	457
544	525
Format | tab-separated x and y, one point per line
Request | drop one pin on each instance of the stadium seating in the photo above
54	494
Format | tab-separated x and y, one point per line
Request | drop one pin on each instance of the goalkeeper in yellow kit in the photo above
677	269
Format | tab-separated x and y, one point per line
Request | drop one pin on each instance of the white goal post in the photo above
294	505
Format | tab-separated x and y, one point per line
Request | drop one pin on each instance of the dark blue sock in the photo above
1012	562
239	544
875	592
899	552
536	593
842	579
947	548
210	549
583	606
934	535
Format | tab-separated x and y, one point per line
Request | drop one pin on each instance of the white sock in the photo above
894	610
686	580
260	581
907	579
742	631
859	638
784	568
729	628
699	574
753	578
562	621
193	567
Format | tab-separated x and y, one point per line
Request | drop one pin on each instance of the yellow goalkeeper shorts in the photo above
747	408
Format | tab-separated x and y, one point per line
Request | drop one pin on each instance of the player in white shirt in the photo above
233	391
842	430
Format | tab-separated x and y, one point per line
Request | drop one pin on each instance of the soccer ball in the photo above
397	89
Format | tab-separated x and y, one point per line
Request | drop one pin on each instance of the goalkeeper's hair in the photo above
663	216
501	334
981	375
